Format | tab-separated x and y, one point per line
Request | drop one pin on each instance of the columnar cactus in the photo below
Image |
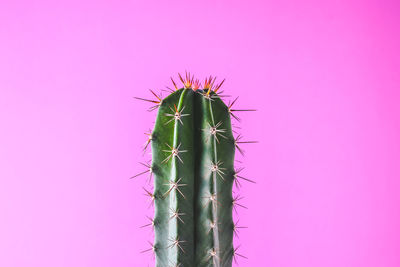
193	151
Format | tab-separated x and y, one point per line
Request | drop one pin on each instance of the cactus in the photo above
193	152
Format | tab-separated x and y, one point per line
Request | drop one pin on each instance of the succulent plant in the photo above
193	151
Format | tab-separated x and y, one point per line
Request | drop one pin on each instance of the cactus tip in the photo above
187	81
176	115
219	85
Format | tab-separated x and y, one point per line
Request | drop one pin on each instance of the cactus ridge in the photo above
193	152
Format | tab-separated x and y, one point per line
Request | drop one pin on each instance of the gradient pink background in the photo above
324	76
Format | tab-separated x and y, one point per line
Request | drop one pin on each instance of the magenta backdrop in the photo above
324	76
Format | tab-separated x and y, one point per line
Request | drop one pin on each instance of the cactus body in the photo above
192	162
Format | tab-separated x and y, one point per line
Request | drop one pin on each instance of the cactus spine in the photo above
193	152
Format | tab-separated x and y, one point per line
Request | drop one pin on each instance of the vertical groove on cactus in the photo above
172	140
193	151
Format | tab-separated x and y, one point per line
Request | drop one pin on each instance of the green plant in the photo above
193	150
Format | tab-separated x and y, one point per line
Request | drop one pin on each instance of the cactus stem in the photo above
175	186
174	153
193	191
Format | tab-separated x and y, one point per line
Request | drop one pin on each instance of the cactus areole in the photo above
193	152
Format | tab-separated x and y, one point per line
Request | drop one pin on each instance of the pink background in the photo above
324	76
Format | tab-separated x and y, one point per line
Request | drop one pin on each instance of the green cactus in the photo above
193	151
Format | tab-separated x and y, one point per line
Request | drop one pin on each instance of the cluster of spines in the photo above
214	130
